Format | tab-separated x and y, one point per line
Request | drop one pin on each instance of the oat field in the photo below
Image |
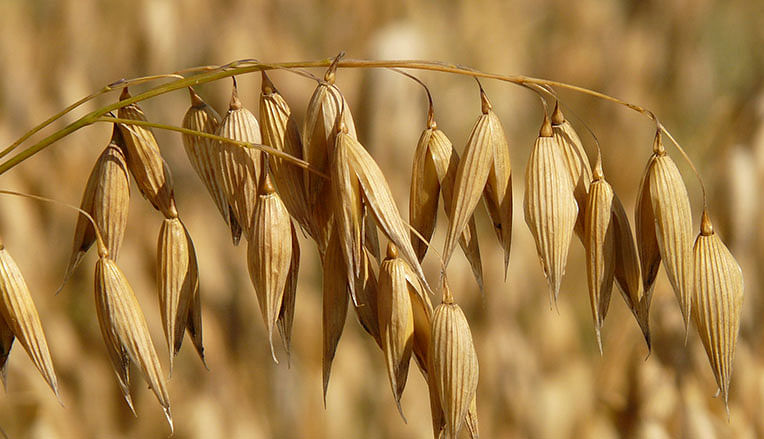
374	244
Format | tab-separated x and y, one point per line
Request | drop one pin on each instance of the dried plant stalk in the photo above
106	199
151	174
550	208
269	255
20	315
599	243
454	362
717	300
178	281
125	330
240	166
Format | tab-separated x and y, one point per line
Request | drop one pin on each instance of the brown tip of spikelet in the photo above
546	127
267	85
597	173
706	227
557	117
124	95
485	103
658	144
196	100
235	102
448	297
266	185
392	251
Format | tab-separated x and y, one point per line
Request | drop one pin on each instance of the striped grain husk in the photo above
178	281
673	225
599	244
335	304
269	255
125	331
150	171
279	130
203	155
319	130
396	320
239	165
717	302
644	225
576	160
628	274
286	313
454	363
434	173
20	316
106	199
550	208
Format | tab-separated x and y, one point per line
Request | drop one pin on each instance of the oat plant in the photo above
277	177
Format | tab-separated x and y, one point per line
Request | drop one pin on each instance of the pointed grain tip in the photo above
392	251
546	128
235	103
706	227
267	85
124	95
658	144
557	117
196	100
485	103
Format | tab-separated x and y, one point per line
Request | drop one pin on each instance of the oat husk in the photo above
151	174
599	244
269	255
550	208
20	316
203	155
285	319
335	304
576	160
107	200
454	363
717	302
366	305
125	331
240	166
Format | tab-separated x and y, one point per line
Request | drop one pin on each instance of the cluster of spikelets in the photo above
339	197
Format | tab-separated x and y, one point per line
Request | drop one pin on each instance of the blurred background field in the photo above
698	64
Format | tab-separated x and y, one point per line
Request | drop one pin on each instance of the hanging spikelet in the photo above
125	331
434	172
717	302
240	166
269	254
178	281
673	225
279	130
106	199
288	302
454	362
396	320
203	155
599	243
335	304
19	315
151	174
550	208
647	241
576	160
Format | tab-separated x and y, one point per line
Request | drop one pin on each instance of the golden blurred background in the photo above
698	64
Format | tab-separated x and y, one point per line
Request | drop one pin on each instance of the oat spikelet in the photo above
279	130
325	106
20	316
576	160
286	313
396	320
106	199
673	225
647	240
717	302
178	282
599	243
550	209
436	156
240	166
269	254
422	312
376	195
454	362
471	177
498	188
151	174
628	274
203	152
335	304
194	321
124	327
366	307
